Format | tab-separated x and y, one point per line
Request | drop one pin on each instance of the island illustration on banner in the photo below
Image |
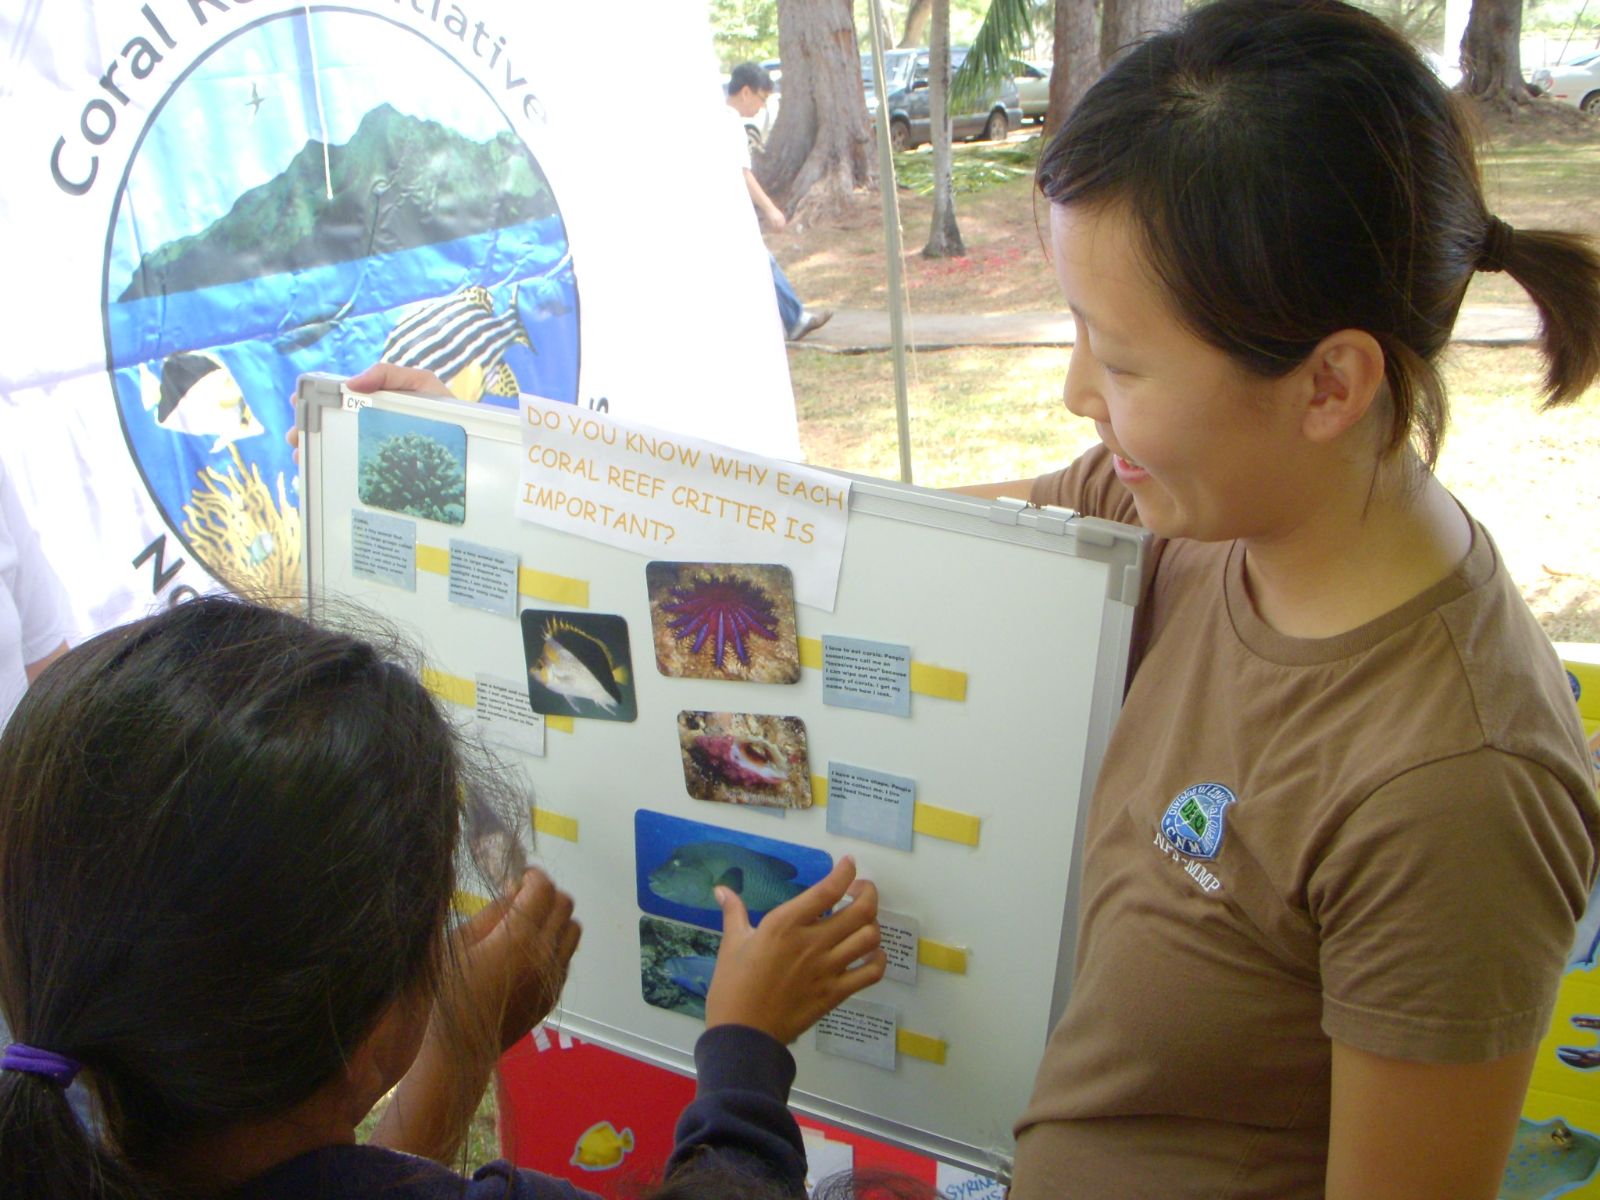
277	219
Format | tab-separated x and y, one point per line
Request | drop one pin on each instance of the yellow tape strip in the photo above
557	589
926	679
450	687
942	682
563	724
941	957
467	904
556	825
433	559
920	1045
947	824
536	585
943	823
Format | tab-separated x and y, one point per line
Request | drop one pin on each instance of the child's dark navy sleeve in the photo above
740	1117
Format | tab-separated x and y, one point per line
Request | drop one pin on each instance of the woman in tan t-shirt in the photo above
1345	755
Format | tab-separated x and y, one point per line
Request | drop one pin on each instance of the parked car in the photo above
906	82
1033	88
1576	83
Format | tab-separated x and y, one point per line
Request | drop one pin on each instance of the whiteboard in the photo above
1033	607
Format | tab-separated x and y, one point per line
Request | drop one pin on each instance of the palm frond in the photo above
1006	28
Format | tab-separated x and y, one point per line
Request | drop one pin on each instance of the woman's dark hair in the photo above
226	847
1293	169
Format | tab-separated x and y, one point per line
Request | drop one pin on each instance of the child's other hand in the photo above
782	977
514	954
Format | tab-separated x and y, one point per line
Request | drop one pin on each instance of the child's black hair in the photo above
227	845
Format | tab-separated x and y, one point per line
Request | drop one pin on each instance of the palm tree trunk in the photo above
944	238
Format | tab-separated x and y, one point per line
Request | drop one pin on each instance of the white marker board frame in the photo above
1035	605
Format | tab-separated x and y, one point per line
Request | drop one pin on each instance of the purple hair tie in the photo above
57	1068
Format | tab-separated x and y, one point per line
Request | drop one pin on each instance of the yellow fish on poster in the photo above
600	1147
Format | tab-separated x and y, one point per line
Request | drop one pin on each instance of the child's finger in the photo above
735	917
844	922
817	899
849	982
568	945
538	900
484	922
858	945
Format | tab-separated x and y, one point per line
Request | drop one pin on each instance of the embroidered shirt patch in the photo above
1193	821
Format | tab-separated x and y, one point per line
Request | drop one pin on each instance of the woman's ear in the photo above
1344	376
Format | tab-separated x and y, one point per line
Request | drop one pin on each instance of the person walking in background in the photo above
749	86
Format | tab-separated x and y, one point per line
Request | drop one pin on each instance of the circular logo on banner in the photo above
321	189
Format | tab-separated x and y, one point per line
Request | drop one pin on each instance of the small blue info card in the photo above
871	805
875	676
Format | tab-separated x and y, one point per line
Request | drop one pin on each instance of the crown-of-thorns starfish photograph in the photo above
724	621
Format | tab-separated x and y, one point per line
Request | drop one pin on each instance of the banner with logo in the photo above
207	198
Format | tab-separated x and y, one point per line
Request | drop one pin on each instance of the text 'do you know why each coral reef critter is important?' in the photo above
675	497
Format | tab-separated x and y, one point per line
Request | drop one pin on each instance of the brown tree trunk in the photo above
1491	54
1077	59
885	33
916	22
944	237
1124	22
820	150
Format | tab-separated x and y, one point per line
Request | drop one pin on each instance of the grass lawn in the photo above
985	414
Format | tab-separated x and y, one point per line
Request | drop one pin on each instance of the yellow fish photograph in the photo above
601	1148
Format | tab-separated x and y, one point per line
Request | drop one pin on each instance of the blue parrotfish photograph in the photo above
676	963
680	864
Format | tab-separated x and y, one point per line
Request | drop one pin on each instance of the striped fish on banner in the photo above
462	340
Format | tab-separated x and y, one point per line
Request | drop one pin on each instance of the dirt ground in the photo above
983	414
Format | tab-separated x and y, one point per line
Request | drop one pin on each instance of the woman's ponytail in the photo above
1561	274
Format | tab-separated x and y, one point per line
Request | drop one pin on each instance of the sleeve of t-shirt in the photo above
1447	904
739	1119
1089	486
42	609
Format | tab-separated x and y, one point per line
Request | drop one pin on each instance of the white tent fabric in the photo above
208	197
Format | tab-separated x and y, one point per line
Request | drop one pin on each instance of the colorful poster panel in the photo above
745	758
724	621
412	465
675	965
579	665
679	863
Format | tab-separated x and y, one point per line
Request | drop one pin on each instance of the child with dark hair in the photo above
227	857
1345	824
